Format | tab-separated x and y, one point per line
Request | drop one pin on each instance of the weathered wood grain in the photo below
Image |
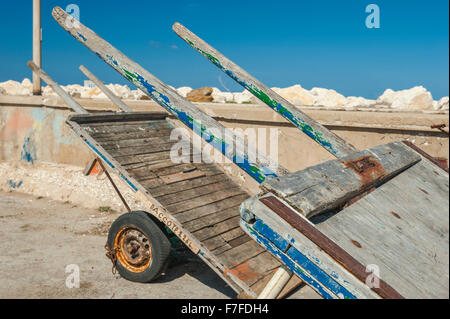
169	99
325	138
114	98
199	212
329	185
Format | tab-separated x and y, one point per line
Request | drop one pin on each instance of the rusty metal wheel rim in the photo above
133	249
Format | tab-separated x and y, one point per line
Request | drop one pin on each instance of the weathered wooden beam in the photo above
202	124
327	139
329	185
58	90
114	98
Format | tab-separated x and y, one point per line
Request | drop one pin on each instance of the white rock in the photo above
245	97
442	104
48	91
2	91
121	91
139	95
15	88
296	95
184	90
92	93
328	98
222	97
416	98
357	101
27	84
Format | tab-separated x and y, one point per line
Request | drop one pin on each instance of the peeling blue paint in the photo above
295	260
14	184
28	151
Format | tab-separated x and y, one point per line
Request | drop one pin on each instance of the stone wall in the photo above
32	129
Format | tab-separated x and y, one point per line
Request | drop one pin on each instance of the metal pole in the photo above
37	32
114	98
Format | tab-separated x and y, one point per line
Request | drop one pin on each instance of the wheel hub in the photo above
133	249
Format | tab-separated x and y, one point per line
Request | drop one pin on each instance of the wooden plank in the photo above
189	184
149	158
293	283
194	192
329	246
240	254
211	219
109	137
145	173
325	138
254	269
98	131
329	185
57	89
136	142
136	150
203	200
114	98
117	117
181	176
275	229
199	212
217	229
408	237
239	240
176	105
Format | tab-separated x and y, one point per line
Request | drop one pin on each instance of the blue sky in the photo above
312	43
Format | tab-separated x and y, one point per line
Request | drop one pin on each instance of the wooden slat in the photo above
199	212
240	254
329	246
182	176
203	200
136	150
194	192
189	184
403	230
329	185
211	219
217	229
136	142
102	137
115	117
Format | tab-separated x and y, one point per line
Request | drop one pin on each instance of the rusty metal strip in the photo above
327	245
114	185
426	155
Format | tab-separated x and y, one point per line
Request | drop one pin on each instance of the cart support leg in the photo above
114	185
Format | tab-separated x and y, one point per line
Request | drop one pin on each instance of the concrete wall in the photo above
32	129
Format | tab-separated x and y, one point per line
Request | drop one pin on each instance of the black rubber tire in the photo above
159	242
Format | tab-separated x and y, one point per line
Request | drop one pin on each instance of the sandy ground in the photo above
39	237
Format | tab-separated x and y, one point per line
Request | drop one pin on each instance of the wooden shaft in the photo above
202	124
276	283
58	90
325	138
37	45
114	98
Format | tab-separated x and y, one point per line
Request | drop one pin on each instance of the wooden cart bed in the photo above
198	196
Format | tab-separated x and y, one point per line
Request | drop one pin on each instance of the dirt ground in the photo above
39	237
